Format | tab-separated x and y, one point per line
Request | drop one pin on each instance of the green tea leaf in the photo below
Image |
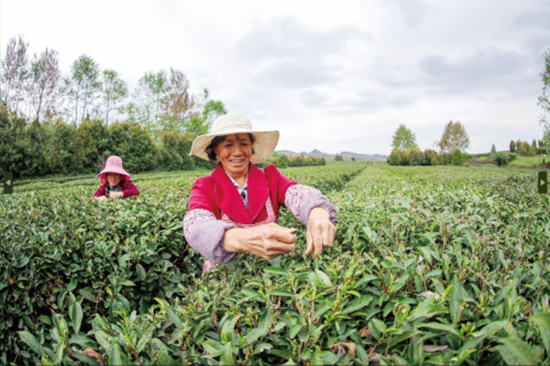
29	339
278	292
276	271
441	327
226	357
516	352
357	304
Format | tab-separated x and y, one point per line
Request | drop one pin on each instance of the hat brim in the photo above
265	144
103	174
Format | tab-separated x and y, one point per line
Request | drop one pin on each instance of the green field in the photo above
432	265
530	160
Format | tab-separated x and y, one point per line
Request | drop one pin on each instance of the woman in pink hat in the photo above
115	181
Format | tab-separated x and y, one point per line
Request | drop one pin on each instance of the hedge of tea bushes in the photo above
58	248
431	266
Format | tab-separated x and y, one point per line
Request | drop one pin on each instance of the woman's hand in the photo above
266	241
100	198
116	195
320	231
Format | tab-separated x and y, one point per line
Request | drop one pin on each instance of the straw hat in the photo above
113	165
233	123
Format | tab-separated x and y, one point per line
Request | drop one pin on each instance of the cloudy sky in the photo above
336	76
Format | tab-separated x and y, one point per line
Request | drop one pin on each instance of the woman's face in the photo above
113	179
234	153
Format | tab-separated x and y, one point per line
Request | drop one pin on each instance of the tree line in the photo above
452	147
32	149
35	88
55	123
283	161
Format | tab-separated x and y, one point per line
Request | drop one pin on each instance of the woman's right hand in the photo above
266	241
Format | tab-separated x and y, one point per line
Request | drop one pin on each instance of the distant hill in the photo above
345	154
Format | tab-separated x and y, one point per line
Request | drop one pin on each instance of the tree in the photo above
544	98
457	157
114	91
338	157
512	146
13	73
415	158
454	137
83	85
404	139
148	96
211	109
394	158
493	149
353	158
43	86
178	105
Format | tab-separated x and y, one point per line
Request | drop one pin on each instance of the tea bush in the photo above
59	248
432	265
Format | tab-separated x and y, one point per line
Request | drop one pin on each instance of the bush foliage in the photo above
429	267
32	149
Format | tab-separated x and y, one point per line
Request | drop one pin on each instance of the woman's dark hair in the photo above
212	157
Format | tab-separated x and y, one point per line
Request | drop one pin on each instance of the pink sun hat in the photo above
113	165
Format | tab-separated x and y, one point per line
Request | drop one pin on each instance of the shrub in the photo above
405	157
282	162
394	158
504	157
457	158
173	151
415	158
428	157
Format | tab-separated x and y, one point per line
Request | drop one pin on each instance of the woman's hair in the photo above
216	141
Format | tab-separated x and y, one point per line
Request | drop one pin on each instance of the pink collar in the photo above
231	202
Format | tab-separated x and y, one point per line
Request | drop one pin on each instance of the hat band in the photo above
228	127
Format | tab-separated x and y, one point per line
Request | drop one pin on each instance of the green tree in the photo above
415	158
404	139
338	157
282	162
353	158
83	86
493	149
457	157
147	99
512	146
394	158
454	137
428	157
211	109
114	92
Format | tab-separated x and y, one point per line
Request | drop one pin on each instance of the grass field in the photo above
530	161
432	265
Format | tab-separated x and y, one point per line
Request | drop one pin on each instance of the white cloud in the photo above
328	77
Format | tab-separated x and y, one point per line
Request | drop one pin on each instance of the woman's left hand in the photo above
320	231
116	195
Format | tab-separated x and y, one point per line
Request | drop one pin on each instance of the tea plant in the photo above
432	265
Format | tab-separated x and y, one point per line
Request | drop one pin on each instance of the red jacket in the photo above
127	188
216	193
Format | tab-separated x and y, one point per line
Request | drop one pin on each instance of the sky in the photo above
334	76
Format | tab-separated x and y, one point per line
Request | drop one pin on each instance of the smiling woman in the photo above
235	209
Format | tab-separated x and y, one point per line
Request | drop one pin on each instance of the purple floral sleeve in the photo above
205	234
301	199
